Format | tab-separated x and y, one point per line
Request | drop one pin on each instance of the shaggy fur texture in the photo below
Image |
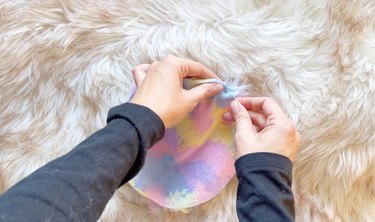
64	63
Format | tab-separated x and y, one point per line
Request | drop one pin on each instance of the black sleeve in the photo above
264	188
78	185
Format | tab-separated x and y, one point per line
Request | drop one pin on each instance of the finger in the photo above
263	104
204	91
189	68
258	119
140	72
154	63
154	66
228	117
242	118
256	129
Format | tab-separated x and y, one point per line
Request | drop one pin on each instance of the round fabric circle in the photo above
195	159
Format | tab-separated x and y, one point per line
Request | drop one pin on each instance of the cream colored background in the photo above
64	63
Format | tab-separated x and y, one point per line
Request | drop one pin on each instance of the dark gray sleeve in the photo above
78	185
264	188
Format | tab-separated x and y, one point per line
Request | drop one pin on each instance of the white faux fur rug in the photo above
64	63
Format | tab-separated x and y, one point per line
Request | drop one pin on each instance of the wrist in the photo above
262	149
261	160
154	108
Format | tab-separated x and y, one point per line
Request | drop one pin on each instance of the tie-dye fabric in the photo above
195	159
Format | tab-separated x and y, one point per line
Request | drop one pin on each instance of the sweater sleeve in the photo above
264	188
78	185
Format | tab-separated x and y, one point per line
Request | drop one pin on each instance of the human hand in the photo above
160	88
262	126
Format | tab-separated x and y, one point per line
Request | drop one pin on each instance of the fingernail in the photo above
235	106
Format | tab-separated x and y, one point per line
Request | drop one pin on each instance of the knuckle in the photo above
154	63
172	62
134	70
170	59
208	91
271	120
242	119
269	100
290	126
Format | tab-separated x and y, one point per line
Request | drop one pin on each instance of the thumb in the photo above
205	91
139	73
241	117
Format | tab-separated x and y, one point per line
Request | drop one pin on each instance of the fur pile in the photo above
64	63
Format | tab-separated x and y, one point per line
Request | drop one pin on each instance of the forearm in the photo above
78	185
264	189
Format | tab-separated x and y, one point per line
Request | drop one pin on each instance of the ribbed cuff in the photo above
263	161
148	125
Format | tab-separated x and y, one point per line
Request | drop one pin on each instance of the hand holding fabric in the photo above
160	88
262	126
